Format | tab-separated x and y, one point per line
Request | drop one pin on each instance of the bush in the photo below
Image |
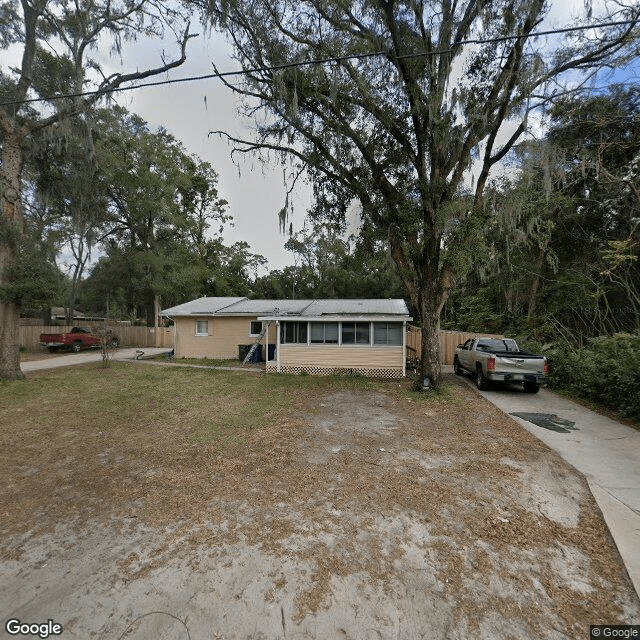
606	371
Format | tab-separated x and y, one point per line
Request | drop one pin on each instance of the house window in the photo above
256	328
293	333
202	327
355	333
324	332
389	333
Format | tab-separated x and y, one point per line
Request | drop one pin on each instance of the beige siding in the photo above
225	334
341	356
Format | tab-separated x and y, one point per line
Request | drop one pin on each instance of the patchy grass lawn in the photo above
78	438
203	362
294	505
211	362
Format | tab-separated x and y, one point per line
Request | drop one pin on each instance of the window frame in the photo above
324	341
251	323
355	342
358	326
387	343
200	333
298	323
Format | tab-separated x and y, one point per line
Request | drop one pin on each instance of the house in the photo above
312	336
59	314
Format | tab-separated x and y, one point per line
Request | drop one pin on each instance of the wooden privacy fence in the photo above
449	340
128	336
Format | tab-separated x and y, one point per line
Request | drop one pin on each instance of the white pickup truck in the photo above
500	360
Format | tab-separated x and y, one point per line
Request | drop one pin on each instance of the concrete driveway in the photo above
605	451
86	357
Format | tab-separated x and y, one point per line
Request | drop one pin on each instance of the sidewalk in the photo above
606	452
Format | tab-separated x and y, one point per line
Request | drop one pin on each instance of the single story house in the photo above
312	336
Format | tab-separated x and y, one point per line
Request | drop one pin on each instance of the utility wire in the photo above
319	61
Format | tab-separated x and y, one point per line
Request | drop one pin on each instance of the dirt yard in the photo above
356	511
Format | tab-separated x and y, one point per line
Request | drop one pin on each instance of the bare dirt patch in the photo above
282	507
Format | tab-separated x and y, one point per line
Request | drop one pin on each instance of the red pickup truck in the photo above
78	338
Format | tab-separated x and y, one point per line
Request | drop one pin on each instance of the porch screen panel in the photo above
293	333
380	333
389	333
362	333
395	333
324	332
331	332
317	332
355	333
348	333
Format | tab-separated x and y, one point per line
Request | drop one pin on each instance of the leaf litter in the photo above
441	513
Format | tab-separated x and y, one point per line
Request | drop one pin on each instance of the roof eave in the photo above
337	317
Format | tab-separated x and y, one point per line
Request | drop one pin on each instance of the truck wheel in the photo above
113	343
457	369
76	346
531	387
481	382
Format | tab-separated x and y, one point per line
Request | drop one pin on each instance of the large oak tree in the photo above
61	45
417	95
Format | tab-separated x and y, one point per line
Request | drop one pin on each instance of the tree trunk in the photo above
428	285
535	283
10	230
430	365
508	298
435	284
78	270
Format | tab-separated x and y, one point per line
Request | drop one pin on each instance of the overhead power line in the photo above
318	61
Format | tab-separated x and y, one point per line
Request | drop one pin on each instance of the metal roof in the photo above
357	307
266	307
291	308
201	307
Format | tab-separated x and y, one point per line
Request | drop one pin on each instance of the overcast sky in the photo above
255	190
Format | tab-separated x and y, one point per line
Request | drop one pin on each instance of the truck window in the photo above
497	345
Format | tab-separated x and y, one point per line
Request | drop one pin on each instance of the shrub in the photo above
606	370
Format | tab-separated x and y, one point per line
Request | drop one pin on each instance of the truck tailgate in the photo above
515	364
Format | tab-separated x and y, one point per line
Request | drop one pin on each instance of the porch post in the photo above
404	348
278	346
